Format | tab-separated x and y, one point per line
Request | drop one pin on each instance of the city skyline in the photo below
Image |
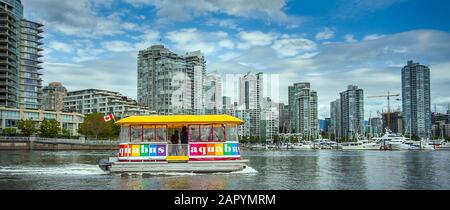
298	45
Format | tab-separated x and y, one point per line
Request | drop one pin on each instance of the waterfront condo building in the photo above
304	109
20	57
212	94
250	98
416	100
352	112
169	83
10	117
335	124
30	64
269	120
102	101
52	96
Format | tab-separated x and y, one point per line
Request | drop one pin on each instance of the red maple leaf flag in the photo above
108	117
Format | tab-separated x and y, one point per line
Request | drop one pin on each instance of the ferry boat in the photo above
207	144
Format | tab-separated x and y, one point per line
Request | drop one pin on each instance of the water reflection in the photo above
344	172
283	170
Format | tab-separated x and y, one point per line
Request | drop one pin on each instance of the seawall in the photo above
32	143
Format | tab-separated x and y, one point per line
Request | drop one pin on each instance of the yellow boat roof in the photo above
180	120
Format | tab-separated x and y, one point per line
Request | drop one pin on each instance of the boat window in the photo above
219	133
136	133
194	133
149	133
232	133
161	133
124	134
205	133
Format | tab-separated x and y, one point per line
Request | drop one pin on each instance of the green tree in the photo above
27	127
95	127
49	128
9	131
332	137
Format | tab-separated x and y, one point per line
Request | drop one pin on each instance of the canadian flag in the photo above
108	117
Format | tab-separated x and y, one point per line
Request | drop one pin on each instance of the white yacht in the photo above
361	145
301	146
421	145
445	145
392	141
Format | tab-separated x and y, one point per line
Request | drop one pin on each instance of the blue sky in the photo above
94	44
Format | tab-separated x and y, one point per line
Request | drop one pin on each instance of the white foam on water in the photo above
163	174
247	170
70	169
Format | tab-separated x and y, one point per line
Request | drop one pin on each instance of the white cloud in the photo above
192	39
227	44
293	46
118	46
148	38
185	11
327	33
255	38
77	18
350	38
60	46
373	37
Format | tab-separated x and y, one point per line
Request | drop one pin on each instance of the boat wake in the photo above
248	170
70	169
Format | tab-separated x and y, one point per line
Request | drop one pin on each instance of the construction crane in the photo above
388	96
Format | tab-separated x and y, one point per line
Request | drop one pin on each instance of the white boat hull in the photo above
362	147
303	147
400	146
181	167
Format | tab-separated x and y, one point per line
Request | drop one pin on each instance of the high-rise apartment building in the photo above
169	83
212	94
250	98
11	14
416	99
304	109
52	96
20	57
30	64
335	124
352	112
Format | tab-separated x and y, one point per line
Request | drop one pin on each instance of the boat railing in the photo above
177	150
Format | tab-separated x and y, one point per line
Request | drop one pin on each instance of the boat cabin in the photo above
179	138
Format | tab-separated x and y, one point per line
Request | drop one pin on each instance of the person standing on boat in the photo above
184	140
174	140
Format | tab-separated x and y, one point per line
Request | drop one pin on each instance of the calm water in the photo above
280	170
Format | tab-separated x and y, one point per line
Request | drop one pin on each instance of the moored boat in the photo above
300	146
360	145
208	144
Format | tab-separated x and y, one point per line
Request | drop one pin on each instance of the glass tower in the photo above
11	13
416	100
30	64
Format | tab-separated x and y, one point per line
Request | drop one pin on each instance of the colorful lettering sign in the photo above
135	150
124	150
141	151
217	150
